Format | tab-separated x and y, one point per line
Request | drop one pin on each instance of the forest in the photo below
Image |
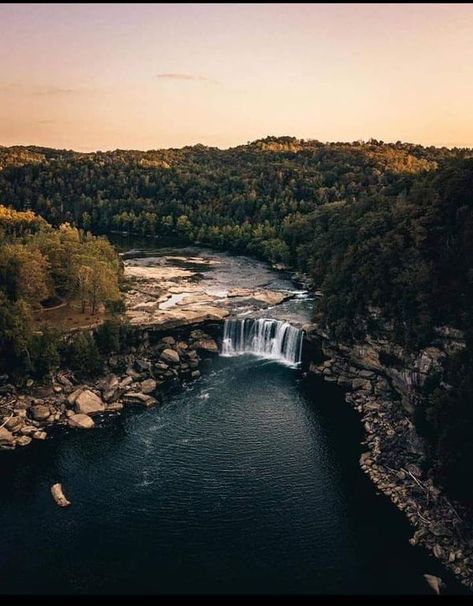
376	226
41	268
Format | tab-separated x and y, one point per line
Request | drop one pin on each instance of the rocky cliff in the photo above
384	384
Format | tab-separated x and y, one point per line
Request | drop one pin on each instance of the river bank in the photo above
385	395
135	377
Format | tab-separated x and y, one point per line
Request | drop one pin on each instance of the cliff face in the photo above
384	383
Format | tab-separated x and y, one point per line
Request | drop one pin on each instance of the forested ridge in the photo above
384	227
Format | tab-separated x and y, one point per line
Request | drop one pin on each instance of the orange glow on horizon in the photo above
90	77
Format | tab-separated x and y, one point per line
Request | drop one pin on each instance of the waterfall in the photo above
265	337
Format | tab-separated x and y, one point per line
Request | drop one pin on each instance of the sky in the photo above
148	76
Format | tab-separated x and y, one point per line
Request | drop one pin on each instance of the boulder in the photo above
141	365
64	381
87	402
195	374
126	381
40	435
80	421
148	386
40	412
115	407
435	583
110	382
207	344
133	397
169	355
23	440
58	495
6	437
72	397
110	395
169	340
14	423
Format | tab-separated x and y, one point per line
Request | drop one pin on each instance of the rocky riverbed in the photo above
136	377
383	384
172	290
166	292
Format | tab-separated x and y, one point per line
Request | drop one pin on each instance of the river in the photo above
246	481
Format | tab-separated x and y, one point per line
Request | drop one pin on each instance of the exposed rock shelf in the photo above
164	293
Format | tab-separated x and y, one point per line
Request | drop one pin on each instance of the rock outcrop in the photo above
384	384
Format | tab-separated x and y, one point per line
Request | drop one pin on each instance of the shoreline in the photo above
137	376
393	453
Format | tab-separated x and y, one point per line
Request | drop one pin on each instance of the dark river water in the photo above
246	481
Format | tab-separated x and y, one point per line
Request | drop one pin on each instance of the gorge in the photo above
244	481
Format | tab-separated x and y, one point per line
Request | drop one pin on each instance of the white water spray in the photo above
264	337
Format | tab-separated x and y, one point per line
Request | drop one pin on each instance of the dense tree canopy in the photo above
40	264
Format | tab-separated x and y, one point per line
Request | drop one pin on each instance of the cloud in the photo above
52	91
37	91
176	76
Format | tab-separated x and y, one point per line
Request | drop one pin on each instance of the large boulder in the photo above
206	344
80	421
40	412
88	403
169	355
148	386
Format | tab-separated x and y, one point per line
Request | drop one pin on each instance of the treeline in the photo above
251	198
41	267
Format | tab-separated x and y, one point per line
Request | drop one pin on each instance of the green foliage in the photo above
107	337
15	336
83	356
45	352
39	263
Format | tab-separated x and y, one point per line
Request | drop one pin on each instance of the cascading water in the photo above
264	337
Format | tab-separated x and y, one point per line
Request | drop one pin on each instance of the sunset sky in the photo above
143	76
